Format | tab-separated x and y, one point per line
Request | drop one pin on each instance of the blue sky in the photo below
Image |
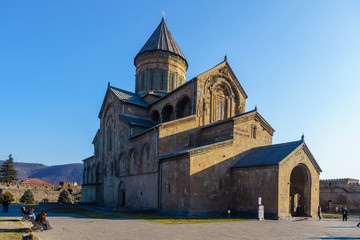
298	61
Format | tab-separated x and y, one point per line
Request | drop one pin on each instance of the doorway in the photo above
300	191
121	194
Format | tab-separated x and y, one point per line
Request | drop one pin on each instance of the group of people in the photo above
41	217
5	204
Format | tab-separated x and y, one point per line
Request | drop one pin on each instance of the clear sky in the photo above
298	61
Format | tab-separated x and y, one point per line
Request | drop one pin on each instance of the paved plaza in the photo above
76	227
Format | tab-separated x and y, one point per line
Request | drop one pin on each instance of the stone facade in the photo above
340	193
40	191
180	151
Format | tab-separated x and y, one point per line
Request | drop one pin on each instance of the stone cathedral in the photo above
191	147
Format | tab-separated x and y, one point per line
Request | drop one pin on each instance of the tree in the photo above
7	171
6	196
64	197
28	197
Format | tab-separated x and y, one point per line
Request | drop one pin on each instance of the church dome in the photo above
162	40
160	64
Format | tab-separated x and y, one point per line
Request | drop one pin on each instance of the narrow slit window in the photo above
220	110
253	132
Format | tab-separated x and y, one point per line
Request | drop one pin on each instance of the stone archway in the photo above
300	191
167	113
121	194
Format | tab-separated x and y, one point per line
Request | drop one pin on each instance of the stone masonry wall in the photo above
340	193
39	191
248	184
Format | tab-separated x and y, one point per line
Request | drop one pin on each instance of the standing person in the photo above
5	204
319	212
298	210
345	214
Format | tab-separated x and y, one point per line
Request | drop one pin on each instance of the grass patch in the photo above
148	217
13	228
327	215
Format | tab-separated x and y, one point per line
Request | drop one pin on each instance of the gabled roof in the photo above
222	65
138	121
36	181
267	155
162	40
128	96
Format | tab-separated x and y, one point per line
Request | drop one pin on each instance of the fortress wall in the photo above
340	193
40	192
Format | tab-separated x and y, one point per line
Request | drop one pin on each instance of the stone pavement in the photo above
76	227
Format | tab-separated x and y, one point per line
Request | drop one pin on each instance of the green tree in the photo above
28	197
7	171
64	197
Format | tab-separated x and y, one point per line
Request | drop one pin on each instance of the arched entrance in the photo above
121	194
300	194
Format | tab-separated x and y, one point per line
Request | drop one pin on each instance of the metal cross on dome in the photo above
163	13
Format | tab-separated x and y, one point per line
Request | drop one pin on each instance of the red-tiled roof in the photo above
35	181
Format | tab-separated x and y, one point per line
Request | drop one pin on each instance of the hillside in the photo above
53	174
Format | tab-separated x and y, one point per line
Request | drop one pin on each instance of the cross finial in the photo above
163	13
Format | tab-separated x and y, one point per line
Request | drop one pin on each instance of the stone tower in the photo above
160	64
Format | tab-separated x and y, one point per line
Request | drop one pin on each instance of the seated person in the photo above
41	217
23	210
31	213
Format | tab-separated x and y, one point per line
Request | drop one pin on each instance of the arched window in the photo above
98	173
222	100
88	176
167	113
85	175
110	129
155	116
253	132
133	162
144	158
123	165
183	107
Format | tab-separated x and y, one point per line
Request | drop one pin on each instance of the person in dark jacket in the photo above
345	214
319	212
41	217
298	210
5	204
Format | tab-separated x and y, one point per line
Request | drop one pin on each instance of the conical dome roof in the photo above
162	40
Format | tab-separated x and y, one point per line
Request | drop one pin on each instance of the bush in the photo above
45	200
78	198
6	196
28	197
64	197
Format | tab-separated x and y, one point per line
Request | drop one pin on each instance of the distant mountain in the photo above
53	174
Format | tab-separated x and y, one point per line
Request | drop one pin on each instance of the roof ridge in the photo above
119	89
279	144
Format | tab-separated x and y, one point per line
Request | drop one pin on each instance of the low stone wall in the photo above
40	192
